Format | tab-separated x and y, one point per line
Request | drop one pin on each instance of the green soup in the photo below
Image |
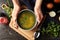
26	19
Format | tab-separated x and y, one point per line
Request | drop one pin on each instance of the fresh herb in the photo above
9	3
52	29
7	9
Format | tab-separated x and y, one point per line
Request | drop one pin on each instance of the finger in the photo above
13	23
38	16
40	13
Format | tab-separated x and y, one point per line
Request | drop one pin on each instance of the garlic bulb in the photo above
52	14
59	18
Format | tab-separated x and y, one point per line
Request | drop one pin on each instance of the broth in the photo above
26	19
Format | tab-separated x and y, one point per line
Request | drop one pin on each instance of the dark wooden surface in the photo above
6	33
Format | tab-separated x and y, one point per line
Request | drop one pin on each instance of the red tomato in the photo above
3	20
57	1
49	5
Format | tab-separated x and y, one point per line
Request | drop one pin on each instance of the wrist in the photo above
37	8
16	7
15	12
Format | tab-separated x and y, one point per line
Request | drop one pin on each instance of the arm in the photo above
38	11
15	12
16	8
16	3
38	3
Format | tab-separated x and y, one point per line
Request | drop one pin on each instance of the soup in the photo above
26	19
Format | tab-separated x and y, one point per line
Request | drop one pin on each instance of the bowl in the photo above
26	19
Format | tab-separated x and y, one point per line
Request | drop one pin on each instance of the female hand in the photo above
38	14
38	11
15	12
16	8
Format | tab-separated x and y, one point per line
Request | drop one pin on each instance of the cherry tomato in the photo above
3	20
49	5
57	1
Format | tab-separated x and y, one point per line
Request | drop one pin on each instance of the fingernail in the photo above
16	27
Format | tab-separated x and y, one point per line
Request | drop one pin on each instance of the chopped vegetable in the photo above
52	29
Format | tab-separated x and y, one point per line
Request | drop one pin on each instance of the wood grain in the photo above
27	34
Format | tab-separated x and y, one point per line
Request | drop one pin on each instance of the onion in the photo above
59	18
52	14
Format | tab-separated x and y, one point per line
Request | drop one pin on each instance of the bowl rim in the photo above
35	21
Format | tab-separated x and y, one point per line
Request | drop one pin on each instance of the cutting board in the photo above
29	35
